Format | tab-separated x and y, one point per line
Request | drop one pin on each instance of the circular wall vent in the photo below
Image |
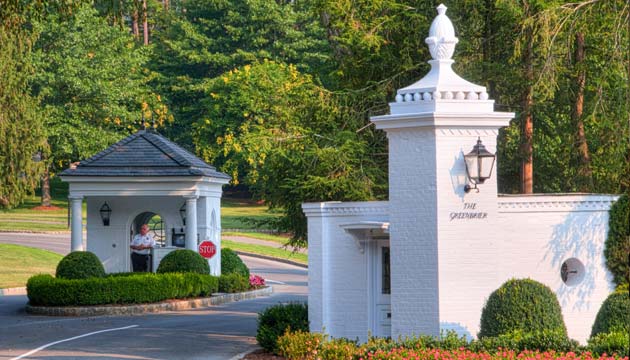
572	272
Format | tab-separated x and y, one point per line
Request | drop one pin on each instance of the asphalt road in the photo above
219	332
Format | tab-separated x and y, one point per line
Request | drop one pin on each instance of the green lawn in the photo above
18	263
266	250
282	240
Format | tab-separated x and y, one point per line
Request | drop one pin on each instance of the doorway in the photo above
156	229
381	288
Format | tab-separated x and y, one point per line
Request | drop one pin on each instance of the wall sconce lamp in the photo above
479	164
106	213
182	213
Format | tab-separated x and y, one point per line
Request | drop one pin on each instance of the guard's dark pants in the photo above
139	262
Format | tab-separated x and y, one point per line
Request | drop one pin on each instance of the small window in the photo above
156	226
386	279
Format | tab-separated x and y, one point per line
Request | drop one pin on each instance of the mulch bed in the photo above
262	355
47	208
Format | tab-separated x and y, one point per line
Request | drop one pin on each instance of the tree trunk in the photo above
584	179
488	32
134	21
46	187
527	125
165	3
145	24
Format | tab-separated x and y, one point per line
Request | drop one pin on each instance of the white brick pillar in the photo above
191	222
442	245
76	223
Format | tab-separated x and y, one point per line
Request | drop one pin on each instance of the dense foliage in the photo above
544	345
278	94
521	304
613	315
231	263
45	290
274	321
617	245
231	283
184	260
80	265
21	130
615	342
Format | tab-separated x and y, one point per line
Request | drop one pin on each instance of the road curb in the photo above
139	309
243	354
35	232
290	262
13	291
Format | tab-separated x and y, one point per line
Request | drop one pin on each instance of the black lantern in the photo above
182	213
479	163
106	212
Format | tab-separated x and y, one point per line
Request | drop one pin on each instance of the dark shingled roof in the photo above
145	153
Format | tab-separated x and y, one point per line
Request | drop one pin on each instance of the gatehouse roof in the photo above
145	153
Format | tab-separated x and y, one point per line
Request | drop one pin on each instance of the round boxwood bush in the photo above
232	264
274	321
614	315
80	265
521	304
617	246
182	261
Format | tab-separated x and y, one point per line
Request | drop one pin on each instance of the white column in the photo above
76	242
191	222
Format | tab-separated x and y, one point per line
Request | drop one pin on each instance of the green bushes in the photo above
614	315
617	246
520	341
80	265
231	283
232	264
45	290
610	343
183	260
524	305
274	321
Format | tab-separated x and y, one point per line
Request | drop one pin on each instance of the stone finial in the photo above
441	38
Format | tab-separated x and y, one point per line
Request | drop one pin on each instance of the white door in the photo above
383	315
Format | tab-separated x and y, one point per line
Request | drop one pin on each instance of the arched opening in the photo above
156	227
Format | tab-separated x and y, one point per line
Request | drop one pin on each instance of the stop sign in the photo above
207	249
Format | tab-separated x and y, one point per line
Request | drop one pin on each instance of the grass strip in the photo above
260	236
266	250
31	226
18	263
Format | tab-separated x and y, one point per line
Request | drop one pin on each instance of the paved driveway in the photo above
219	332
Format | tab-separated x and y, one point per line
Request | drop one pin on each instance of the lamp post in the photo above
106	213
479	164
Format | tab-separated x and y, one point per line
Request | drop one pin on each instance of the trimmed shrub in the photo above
80	265
614	315
615	342
232	283
274	321
521	304
617	246
232	264
183	260
300	345
45	290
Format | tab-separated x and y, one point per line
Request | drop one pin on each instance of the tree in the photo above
289	140
92	84
21	133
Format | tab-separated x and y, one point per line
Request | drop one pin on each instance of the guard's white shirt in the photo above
146	240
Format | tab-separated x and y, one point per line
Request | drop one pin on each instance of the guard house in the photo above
145	179
427	259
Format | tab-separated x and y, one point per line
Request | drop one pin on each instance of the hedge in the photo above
232	264
45	290
183	260
521	305
613	315
231	283
617	246
80	265
274	321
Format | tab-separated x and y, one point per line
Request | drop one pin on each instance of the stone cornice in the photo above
336	208
555	203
